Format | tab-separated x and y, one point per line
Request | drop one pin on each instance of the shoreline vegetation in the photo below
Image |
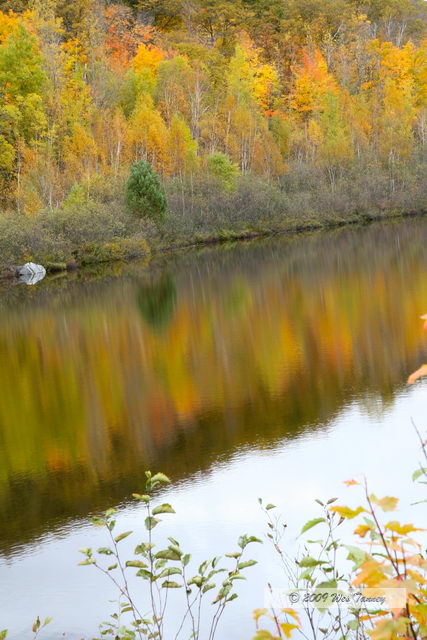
94	232
254	117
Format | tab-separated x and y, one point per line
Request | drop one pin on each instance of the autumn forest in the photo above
255	114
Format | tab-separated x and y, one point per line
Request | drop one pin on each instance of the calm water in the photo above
271	369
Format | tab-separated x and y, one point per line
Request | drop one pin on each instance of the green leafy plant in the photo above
145	196
36	628
221	166
162	570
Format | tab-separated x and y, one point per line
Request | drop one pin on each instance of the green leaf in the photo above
3	634
84	563
214	572
308	561
167	584
418	473
138	564
356	555
113	566
160	478
105	551
311	523
248	563
143	497
151	522
270	506
110	512
307	575
223	593
122	536
243	541
237	576
98	522
208	587
330	584
203	567
197	580
170	571
143	548
144	573
186	559
171	553
163	508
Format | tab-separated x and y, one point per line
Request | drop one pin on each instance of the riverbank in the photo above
129	249
96	228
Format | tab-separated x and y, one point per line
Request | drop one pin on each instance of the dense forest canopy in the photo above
88	87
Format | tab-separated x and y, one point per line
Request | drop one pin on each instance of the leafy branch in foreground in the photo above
36	628
162	570
390	558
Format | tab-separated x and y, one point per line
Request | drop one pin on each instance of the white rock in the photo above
30	273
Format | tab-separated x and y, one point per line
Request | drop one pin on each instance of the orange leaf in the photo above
420	373
371	574
350	483
362	530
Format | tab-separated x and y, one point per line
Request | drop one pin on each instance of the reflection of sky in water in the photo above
214	508
274	370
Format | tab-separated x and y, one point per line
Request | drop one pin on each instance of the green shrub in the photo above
76	197
145	196
221	166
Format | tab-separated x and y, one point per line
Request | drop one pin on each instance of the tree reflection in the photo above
156	301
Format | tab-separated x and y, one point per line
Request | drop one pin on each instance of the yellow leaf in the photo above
418	577
371	574
346	512
258	613
388	629
401	529
293	614
287	628
388	503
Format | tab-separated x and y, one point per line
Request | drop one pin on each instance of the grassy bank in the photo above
93	226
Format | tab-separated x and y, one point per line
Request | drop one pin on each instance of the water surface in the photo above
274	368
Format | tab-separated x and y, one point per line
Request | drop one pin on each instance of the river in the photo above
273	368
